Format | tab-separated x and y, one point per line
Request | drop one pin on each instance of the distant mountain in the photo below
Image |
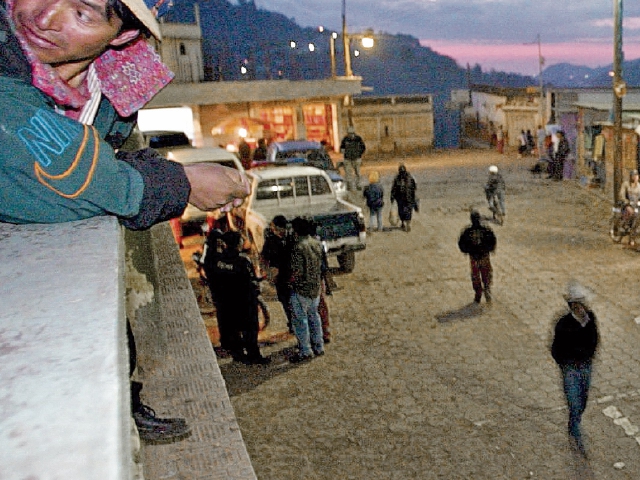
242	35
566	75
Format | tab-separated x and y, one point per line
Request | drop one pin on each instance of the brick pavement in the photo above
419	384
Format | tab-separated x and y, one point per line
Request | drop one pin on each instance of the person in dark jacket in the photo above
260	153
235	290
306	285
276	260
575	342
352	147
560	156
374	196
479	242
403	191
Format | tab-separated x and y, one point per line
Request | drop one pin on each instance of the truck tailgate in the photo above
337	225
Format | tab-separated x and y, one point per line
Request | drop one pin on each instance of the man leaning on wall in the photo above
73	75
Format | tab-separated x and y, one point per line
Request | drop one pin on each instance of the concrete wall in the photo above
64	364
393	124
66	292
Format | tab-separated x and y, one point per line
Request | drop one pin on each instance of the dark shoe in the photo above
152	428
319	354
259	361
221	352
300	358
477	299
326	340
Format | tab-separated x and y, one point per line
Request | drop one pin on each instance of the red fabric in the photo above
129	78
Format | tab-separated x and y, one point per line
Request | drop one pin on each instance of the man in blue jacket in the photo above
73	74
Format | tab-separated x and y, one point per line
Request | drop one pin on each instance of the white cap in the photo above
576	293
493	169
146	12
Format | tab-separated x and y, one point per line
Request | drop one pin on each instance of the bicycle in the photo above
494	206
621	225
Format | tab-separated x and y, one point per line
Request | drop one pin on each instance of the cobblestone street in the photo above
419	383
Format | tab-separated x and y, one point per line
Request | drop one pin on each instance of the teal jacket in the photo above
55	169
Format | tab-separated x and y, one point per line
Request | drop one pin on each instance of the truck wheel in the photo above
347	261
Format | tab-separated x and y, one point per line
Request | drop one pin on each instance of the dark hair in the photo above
129	20
280	221
303	226
232	239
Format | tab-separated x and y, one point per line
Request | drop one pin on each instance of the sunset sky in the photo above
497	34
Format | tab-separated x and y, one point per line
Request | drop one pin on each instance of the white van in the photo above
188	156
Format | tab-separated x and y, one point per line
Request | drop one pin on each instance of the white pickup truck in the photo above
295	191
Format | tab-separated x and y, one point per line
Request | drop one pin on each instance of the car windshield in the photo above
297	187
314	157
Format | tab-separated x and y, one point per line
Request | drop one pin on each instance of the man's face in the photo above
68	34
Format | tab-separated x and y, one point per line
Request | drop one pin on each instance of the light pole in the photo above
345	42
332	52
619	89
540	64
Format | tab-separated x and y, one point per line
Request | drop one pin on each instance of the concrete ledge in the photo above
186	381
65	407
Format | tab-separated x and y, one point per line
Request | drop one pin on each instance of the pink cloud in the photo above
523	58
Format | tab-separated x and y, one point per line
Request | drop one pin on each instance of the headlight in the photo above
340	186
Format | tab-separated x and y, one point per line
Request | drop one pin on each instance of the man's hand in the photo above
214	186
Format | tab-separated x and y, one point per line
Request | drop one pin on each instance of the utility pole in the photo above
540	64
619	89
345	42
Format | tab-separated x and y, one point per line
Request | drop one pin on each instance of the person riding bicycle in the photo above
495	187
629	195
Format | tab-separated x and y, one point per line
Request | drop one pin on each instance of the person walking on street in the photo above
306	280
403	191
374	195
352	148
574	346
500	140
561	154
479	241
541	135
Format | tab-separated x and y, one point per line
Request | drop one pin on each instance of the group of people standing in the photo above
295	262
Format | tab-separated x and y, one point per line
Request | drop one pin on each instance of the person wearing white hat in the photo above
495	186
574	346
73	74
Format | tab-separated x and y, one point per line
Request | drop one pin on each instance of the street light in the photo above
367	41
